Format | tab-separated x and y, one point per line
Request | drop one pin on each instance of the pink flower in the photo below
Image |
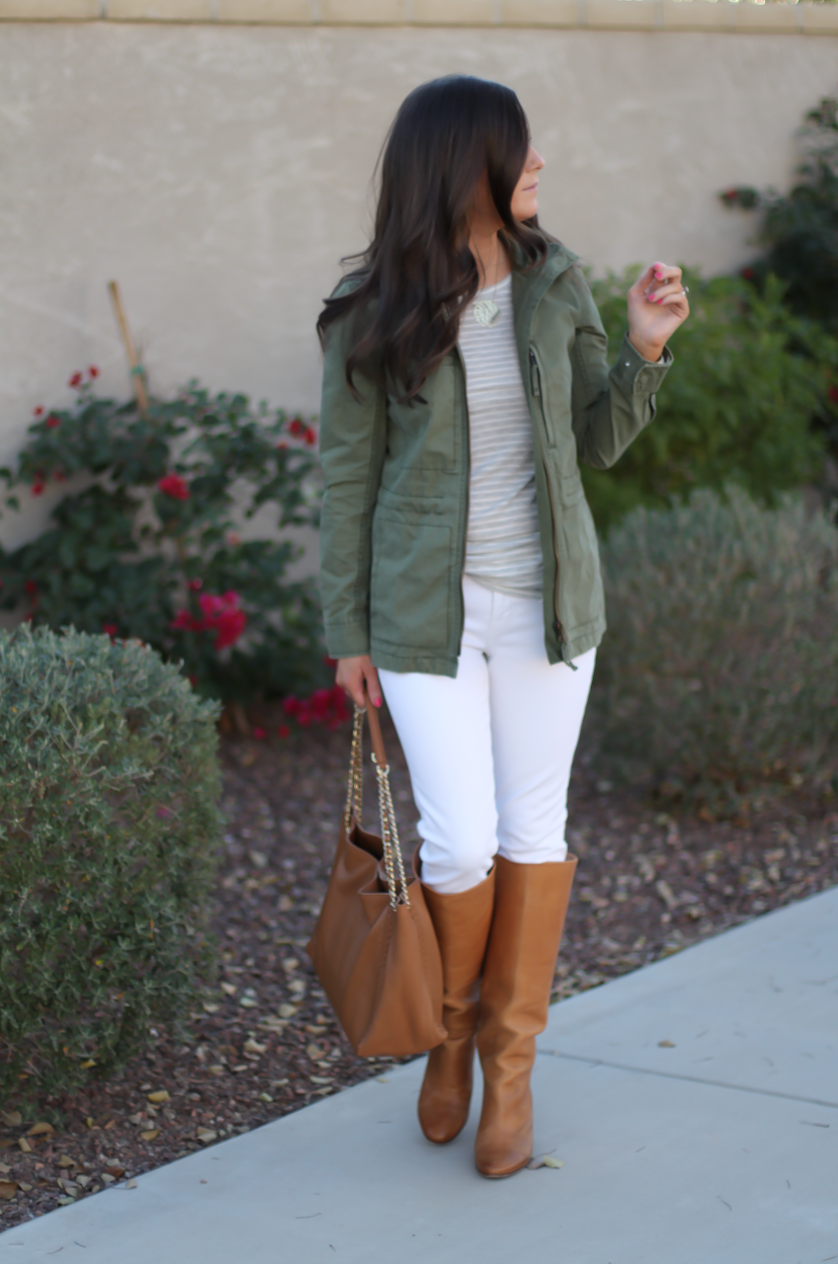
195	585
185	621
53	422
259	734
110	629
175	486
39	411
75	381
291	705
163	813
283	731
230	625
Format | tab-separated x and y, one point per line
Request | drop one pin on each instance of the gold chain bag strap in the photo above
374	947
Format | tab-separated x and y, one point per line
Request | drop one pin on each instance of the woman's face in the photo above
525	197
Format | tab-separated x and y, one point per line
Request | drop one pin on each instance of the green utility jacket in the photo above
395	511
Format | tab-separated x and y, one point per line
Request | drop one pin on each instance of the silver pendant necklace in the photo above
486	311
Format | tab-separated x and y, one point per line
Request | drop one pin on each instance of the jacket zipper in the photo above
535	387
467	464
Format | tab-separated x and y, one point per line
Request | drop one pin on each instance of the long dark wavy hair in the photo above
417	275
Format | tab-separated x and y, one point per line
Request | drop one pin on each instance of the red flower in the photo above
296	428
195	585
833	394
175	486
110	629
93	371
291	705
310	436
30	588
230	626
52	421
75	381
283	731
748	274
39	411
38	487
259	734
185	621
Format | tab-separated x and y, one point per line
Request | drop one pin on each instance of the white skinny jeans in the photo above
490	751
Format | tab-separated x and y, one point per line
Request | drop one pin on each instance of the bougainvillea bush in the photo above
148	540
109	832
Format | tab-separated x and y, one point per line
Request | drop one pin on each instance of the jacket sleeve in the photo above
352	447
610	406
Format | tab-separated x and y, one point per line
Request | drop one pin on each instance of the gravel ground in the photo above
264	1042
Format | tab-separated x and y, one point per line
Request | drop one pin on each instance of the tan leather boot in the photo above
530	906
462	924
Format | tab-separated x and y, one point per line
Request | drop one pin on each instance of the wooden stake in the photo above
137	370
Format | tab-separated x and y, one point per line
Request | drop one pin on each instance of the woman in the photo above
465	378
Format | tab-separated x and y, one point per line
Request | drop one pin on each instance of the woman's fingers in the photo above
353	674
373	687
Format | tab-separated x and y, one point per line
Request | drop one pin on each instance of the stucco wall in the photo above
220	172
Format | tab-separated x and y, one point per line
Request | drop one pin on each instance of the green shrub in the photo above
722	652
146	543
735	407
799	229
109	830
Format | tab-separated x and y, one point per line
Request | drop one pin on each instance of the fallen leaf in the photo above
666	1044
65	1201
110	1124
211	1009
161	1095
290	964
205	1135
107	1180
8	1189
383	1079
25	1186
12	1118
150	1134
265	1097
40	1129
549	1161
286	1011
229	989
115	1171
5	1169
314	1052
132	1184
666	893
69	1187
5	1142
248	1002
216	1069
85	1066
84	1181
252	1046
66	1161
24	1145
321	1079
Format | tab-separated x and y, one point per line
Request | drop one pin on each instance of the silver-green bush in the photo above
109	828
721	661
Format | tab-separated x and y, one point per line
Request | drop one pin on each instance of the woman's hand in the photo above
353	673
657	305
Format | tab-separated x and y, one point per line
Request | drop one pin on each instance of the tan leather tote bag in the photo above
374	947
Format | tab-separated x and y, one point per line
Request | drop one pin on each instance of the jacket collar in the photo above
529	287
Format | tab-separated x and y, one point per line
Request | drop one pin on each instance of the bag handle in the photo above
393	860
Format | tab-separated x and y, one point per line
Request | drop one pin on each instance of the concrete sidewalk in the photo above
719	1146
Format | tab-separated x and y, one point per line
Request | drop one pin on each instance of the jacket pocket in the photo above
410	601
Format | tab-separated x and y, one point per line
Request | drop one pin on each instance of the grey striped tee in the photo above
503	547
